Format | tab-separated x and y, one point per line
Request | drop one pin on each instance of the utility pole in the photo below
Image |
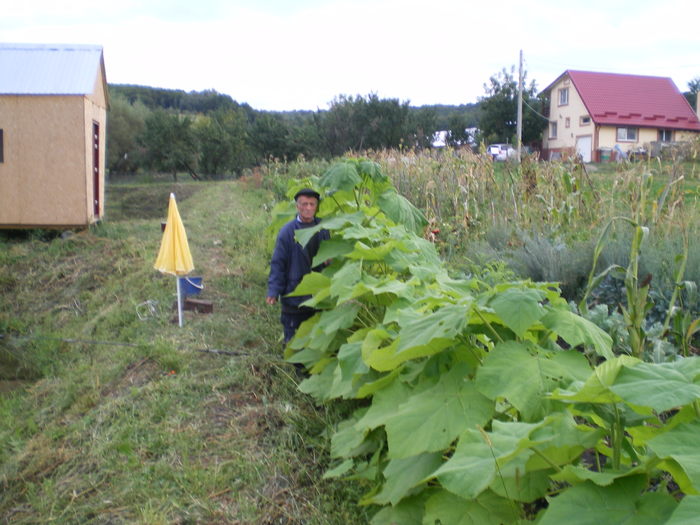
520	108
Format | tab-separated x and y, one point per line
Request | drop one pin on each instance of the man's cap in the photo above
308	192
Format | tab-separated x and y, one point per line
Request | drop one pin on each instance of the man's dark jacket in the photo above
290	263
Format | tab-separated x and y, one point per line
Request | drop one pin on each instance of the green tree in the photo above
386	122
304	138
421	127
126	122
444	113
499	109
692	94
340	125
170	143
359	123
269	137
222	142
457	134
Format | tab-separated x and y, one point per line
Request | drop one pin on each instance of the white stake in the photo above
179	302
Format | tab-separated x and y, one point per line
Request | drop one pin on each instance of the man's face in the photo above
307	208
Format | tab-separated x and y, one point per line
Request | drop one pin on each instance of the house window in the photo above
665	135
563	96
567	122
627	134
585	120
552	130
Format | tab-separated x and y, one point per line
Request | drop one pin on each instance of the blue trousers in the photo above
291	321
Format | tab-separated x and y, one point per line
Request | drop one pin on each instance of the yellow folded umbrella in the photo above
174	256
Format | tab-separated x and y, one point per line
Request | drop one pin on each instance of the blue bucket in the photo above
190	285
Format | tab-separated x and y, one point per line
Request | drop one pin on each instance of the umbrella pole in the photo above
179	302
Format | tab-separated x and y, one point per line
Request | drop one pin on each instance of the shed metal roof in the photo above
49	69
633	100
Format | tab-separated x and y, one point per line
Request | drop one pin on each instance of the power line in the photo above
535	111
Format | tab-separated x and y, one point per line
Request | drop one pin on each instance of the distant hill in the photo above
210	100
194	101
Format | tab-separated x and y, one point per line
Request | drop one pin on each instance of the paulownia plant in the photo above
477	403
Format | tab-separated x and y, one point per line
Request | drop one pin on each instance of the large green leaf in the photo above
596	389
576	330
384	405
345	279
565	366
303	235
641	434
687	512
362	231
511	372
339	470
409	511
622	502
522	486
415	260
373	171
342	316
370	387
661	386
561	440
518	308
479	455
319	385
307	357
457	288
330	249
681	444
404	474
348	437
341	176
304	337
338	222
503	459
386	285
312	283
385	358
429	421
400	210
375	253
524	375
350	366
445	323
574	474
379	350
488	509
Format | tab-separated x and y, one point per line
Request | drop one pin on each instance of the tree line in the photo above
210	135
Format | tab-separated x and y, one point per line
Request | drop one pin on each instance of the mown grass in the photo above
126	418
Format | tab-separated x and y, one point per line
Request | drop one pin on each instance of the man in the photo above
290	262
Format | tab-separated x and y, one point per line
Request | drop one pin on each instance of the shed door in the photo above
96	168
584	146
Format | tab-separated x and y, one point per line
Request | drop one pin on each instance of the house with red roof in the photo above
593	114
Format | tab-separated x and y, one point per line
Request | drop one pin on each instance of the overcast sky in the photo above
301	54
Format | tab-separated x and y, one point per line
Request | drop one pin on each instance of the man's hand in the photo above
271	300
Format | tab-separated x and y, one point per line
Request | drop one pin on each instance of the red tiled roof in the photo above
633	100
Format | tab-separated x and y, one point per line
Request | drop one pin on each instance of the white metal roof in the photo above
49	69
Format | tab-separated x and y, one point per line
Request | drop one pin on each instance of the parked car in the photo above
501	152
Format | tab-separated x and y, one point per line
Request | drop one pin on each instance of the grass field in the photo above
121	416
